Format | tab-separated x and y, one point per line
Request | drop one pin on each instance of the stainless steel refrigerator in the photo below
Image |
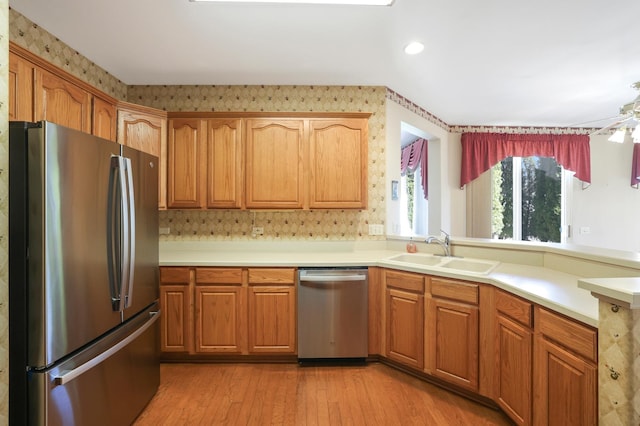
83	278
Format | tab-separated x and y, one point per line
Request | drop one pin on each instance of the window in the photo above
414	209
527	199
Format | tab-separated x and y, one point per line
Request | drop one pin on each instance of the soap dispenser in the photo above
411	246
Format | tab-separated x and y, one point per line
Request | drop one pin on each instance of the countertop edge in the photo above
521	280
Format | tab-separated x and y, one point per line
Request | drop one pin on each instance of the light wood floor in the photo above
287	394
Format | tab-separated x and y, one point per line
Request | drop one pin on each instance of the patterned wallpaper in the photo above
188	225
618	372
29	35
522	129
4	212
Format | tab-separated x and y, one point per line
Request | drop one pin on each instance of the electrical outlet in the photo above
257	230
164	230
585	230
376	229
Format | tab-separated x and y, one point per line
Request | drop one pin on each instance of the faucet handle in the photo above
446	237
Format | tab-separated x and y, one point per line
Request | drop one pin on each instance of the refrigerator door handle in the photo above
121	230
115	206
70	375
129	237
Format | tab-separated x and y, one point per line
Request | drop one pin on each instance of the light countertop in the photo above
553	289
623	289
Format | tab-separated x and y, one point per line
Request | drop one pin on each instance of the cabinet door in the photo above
104	119
224	164
338	163
514	348
272	319
61	102
454	348
175	301
405	329
220	313
148	133
20	88
275	163
186	162
565	387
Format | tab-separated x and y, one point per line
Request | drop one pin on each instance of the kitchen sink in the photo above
450	263
418	259
470	265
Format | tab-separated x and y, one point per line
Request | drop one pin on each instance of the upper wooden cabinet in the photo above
61	102
104	119
39	90
145	129
186	160
275	163
258	161
224	172
338	163
20	88
205	163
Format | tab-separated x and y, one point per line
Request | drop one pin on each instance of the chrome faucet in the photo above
445	244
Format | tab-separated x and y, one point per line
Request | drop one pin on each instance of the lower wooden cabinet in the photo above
404	295
220	311
176	302
272	311
565	385
232	311
452	322
543	365
514	357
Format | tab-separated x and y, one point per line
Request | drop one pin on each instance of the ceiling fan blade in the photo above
612	125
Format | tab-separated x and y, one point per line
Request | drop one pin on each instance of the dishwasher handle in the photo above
332	278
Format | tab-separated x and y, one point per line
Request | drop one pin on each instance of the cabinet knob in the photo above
615	308
613	373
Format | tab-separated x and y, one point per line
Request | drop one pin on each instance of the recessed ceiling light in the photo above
414	48
338	2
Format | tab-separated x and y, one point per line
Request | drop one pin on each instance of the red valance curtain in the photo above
481	151
635	165
413	156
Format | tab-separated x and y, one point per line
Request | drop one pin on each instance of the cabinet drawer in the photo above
454	290
405	281
282	276
174	275
576	337
219	276
515	308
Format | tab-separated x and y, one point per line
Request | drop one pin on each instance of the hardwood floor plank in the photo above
290	395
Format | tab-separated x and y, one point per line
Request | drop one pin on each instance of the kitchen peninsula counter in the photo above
544	274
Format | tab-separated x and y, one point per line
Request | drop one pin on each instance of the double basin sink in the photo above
448	263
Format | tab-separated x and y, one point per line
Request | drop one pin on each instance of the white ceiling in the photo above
491	62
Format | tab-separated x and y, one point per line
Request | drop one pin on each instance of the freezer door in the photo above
69	298
143	288
107	384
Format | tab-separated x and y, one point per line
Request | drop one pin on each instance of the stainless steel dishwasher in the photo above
332	314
